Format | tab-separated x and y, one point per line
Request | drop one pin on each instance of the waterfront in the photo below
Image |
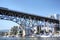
32	38
30	27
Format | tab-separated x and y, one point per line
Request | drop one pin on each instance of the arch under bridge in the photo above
24	19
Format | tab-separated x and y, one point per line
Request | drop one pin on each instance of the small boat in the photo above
45	36
55	35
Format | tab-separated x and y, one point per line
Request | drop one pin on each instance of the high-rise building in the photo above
55	16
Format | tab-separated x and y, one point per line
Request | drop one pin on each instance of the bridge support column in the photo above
23	33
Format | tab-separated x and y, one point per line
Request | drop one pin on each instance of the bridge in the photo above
16	14
24	19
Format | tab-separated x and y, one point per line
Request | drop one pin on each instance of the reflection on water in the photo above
31	38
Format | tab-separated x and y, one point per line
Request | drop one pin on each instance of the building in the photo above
28	22
56	26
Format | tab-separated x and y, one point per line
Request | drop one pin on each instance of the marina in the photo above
31	27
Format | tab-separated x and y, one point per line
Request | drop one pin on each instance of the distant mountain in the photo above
4	30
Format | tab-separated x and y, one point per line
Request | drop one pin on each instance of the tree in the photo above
14	30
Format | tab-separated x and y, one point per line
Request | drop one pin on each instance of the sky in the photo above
36	7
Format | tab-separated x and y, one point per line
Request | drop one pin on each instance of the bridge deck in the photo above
21	14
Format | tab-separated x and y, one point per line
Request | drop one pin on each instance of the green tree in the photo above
14	30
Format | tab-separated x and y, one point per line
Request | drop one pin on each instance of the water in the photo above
31	38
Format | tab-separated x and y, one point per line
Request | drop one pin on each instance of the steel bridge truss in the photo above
25	20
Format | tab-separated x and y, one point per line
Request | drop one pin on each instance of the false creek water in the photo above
31	38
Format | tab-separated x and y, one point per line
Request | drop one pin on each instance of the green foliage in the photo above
14	30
